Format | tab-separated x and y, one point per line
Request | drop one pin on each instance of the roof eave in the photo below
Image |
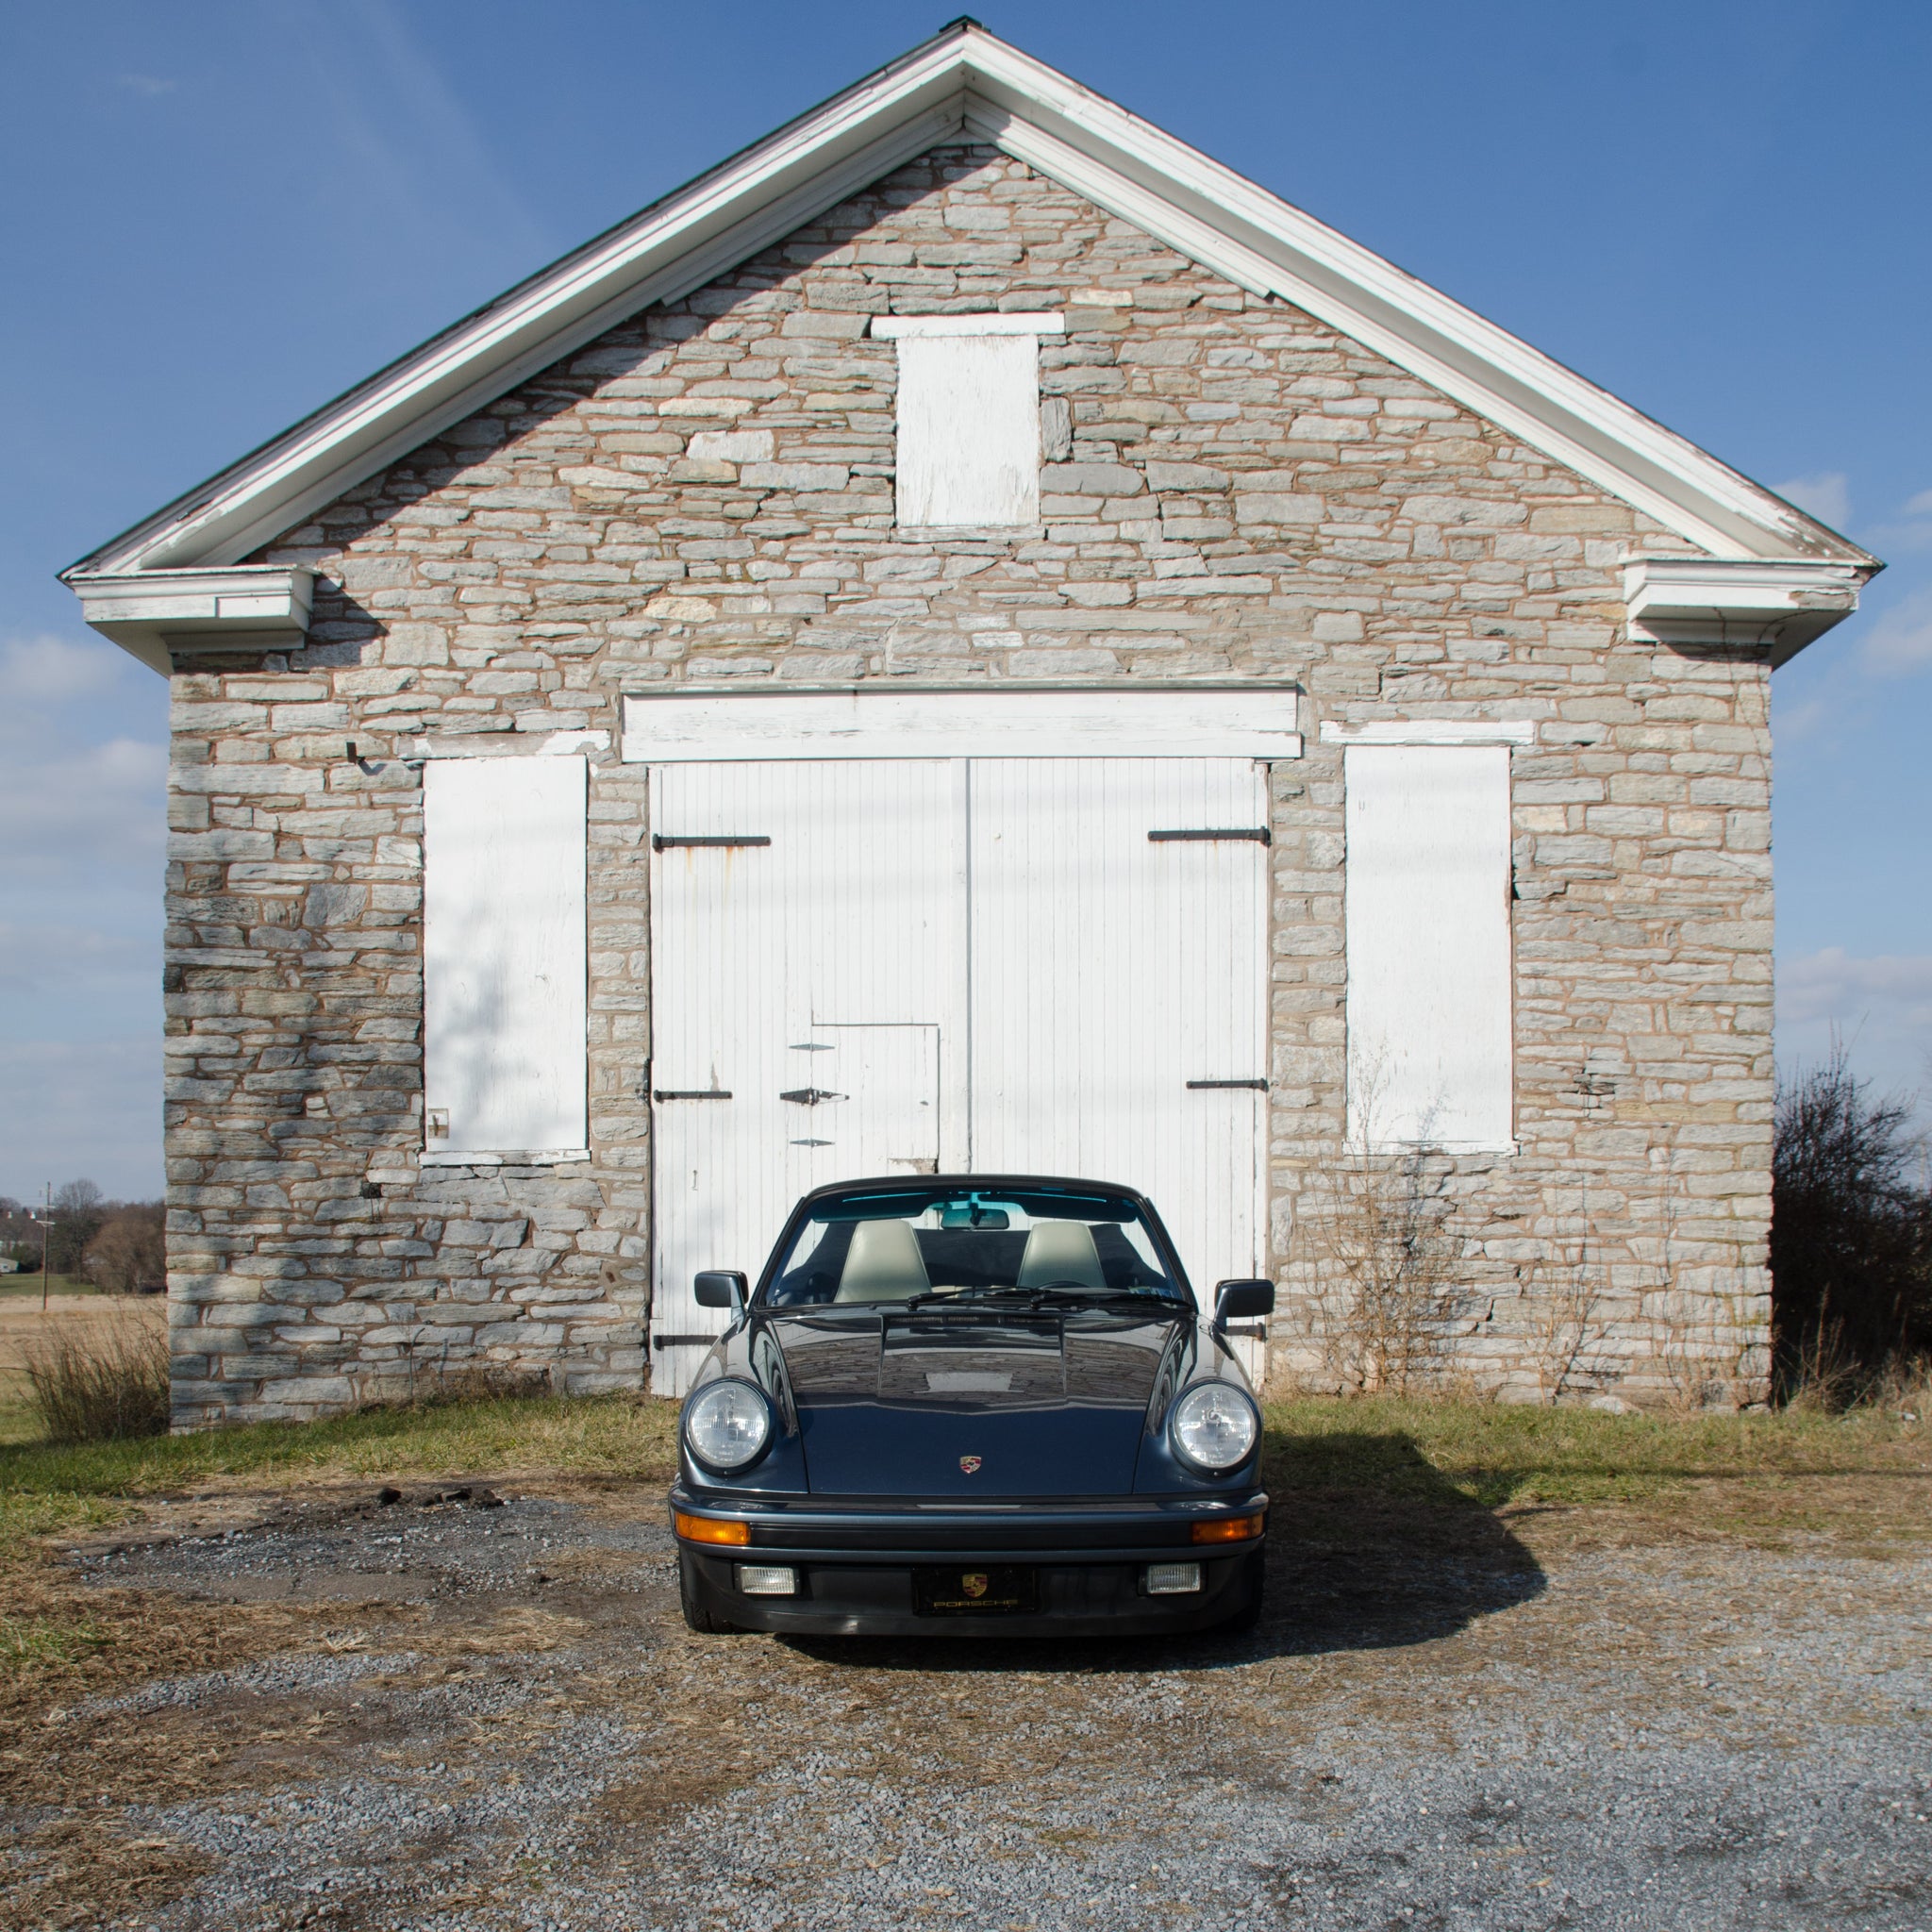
965	78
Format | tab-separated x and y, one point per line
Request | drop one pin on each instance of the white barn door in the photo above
1031	965
1120	934
805	944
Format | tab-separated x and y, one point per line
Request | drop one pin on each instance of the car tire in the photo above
1248	1617
696	1615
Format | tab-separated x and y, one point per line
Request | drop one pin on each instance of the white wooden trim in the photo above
890	327
966	79
500	744
1704	600
1431	731
254	607
534	1157
1157	721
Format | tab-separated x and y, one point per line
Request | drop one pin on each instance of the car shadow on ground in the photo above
1370	1547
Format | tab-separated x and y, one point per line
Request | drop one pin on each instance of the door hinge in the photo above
691	1093
1258	835
663	842
1216	1086
809	1097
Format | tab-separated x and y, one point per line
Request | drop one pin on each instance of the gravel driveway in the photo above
499	1721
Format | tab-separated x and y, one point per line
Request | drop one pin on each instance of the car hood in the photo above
974	1403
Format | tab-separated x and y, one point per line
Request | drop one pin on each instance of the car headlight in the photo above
727	1426
1214	1427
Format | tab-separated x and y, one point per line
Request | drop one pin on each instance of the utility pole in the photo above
46	1221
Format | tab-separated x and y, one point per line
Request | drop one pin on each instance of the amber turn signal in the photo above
1227	1529
710	1529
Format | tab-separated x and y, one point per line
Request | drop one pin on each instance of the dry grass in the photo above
101	1387
45	1488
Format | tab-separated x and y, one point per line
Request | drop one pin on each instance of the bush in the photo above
130	1252
1851	1235
103	1387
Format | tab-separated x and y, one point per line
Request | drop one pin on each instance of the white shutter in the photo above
503	1050
968	430
1430	967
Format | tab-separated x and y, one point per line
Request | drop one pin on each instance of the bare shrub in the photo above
130	1254
1562	1300
1851	1232
1387	1292
482	1382
102	1386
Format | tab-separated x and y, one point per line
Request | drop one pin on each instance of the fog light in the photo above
767	1579
1172	1579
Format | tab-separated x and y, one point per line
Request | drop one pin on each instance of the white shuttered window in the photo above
503	1050
967	452
1430	1014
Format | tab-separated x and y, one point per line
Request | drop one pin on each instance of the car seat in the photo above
882	1264
1061	1251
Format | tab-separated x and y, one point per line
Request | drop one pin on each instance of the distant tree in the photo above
130	1251
1851	1229
79	1213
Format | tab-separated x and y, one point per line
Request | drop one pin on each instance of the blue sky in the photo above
222	214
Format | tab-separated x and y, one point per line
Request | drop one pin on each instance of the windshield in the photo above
972	1243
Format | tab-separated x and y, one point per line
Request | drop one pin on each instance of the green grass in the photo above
27	1642
21	1288
1494	1456
1347	1453
45	1488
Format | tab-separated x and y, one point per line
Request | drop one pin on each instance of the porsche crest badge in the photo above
974	1582
968	1465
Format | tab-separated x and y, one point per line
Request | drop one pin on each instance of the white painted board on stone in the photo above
504	964
1430	1012
1252	722
968	431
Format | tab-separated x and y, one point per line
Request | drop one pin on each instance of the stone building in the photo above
969	637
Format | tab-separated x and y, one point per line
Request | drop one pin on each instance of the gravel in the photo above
524	1736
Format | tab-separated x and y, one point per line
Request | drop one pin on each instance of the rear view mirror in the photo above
994	1217
1237	1301
719	1288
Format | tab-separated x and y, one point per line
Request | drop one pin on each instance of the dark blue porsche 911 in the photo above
976	1404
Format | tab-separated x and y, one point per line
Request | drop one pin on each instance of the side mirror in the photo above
720	1287
1236	1301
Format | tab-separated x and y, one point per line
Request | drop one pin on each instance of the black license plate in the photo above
1008	1592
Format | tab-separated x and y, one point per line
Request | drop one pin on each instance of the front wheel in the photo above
698	1616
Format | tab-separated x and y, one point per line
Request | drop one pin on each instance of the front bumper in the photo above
854	1563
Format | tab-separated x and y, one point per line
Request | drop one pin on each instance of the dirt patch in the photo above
472	1707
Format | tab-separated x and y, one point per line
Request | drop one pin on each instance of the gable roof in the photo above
966	82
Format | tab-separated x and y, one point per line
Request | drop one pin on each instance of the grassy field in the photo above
1322	1455
21	1288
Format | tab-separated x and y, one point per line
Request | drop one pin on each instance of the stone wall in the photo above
705	494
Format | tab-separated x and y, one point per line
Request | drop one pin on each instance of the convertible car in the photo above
984	1404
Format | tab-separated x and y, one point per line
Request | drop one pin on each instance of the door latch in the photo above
809	1097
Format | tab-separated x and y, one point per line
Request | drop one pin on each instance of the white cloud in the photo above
55	669
146	85
1901	641
1880	1007
1827	496
1920	505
